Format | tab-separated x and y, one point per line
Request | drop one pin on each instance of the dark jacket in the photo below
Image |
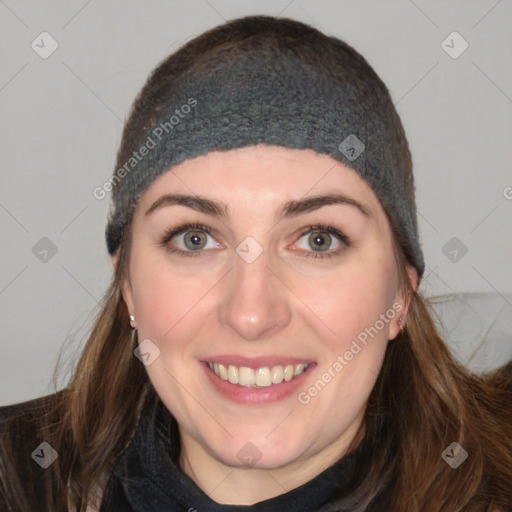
19	460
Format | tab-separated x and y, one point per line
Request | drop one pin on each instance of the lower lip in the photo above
264	395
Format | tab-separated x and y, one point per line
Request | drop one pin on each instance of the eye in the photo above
194	239
190	239
321	239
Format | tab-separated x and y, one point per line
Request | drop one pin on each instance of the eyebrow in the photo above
288	209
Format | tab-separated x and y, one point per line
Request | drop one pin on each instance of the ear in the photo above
126	289
401	305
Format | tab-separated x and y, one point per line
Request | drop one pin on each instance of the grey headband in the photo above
243	101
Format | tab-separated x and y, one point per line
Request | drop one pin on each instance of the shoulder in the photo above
500	380
24	418
16	411
24	456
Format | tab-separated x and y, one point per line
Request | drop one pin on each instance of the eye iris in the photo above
321	239
194	239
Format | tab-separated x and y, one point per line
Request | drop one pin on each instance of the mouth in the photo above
260	377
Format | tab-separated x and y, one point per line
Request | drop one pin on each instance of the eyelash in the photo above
171	233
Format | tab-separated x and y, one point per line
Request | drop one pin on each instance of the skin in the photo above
282	303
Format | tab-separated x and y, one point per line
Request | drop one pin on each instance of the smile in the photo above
261	377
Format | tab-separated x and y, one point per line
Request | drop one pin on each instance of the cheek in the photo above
361	313
352	300
356	306
166	301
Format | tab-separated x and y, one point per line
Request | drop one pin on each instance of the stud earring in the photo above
132	322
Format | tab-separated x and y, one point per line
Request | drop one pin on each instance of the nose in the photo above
255	300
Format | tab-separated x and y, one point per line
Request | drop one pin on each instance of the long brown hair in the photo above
423	399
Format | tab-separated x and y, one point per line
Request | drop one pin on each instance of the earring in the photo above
401	323
133	337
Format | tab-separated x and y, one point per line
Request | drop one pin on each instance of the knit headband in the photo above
243	100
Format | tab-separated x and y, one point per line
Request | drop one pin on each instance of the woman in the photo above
263	345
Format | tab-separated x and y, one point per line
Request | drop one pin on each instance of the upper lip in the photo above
255	362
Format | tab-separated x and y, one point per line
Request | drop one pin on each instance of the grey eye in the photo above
195	239
320	240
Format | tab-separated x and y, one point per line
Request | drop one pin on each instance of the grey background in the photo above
62	121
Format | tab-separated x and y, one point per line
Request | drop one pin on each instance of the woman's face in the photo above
257	293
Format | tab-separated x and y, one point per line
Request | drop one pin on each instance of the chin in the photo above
259	450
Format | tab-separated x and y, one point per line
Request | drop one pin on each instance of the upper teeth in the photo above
259	377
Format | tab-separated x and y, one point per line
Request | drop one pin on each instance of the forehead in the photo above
262	174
